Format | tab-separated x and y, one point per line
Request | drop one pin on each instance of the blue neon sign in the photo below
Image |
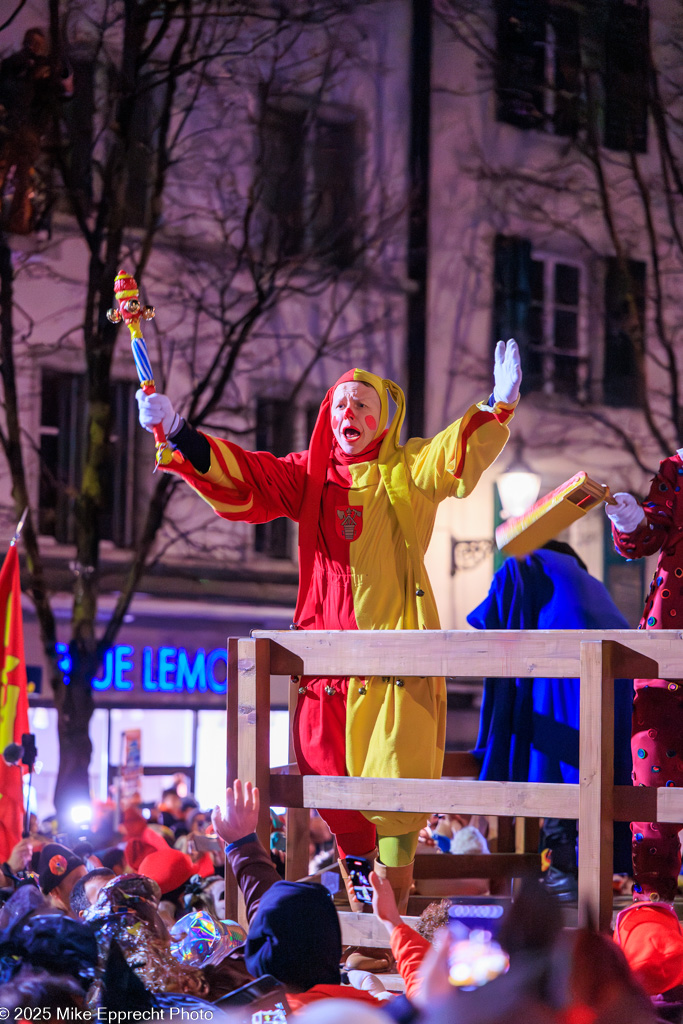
156	669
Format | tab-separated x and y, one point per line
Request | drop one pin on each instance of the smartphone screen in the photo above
474	956
359	872
207	844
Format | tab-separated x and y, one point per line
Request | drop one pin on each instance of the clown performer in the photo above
657	727
365	506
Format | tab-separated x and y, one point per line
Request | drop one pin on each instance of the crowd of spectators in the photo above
138	924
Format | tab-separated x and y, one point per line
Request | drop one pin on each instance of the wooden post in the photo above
596	783
298	827
248	704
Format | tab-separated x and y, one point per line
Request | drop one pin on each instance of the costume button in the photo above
669	784
654	896
419	592
330	691
637	888
362	690
652	621
673	686
652	733
678	572
671	753
666	593
302	689
295	679
656	768
399	682
638	837
641	753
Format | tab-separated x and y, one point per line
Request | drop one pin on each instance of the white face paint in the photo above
354	415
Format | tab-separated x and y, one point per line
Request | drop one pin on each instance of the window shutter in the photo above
567	71
512	296
275	434
624	322
627	58
520	62
282	179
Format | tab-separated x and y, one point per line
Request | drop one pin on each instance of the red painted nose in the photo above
348	413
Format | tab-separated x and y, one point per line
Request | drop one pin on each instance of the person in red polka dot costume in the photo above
657	730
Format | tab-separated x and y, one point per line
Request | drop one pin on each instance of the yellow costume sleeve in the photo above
450	463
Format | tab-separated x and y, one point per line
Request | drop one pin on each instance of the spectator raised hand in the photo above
241	812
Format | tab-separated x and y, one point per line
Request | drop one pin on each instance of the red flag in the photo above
13	701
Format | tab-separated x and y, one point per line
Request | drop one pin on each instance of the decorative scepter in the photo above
128	297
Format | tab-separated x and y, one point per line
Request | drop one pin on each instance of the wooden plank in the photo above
477	865
527	835
248	702
250	761
494	653
596	783
232	900
532	799
366	929
669	805
298	818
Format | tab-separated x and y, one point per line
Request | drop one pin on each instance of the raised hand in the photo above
384	902
507	371
241	812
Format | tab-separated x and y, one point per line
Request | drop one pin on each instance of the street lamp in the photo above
518	488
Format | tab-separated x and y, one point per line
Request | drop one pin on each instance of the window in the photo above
275	434
62	450
306	184
538	66
624	325
540	301
555	350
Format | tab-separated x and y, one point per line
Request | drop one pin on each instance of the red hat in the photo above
169	868
652	941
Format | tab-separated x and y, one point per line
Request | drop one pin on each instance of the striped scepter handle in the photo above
132	313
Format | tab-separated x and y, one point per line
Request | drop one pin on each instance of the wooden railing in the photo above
597	657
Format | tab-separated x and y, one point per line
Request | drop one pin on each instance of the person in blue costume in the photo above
529	728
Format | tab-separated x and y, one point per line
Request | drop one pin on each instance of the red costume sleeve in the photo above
409	949
252	487
652	535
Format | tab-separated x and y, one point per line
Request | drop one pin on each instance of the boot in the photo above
401	881
347	886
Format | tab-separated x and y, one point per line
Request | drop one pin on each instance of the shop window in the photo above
306	182
63	426
538	67
624	326
275	434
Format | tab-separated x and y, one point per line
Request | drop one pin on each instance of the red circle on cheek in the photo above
335	422
371	422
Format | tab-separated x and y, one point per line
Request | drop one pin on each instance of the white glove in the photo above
156	408
627	515
507	372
